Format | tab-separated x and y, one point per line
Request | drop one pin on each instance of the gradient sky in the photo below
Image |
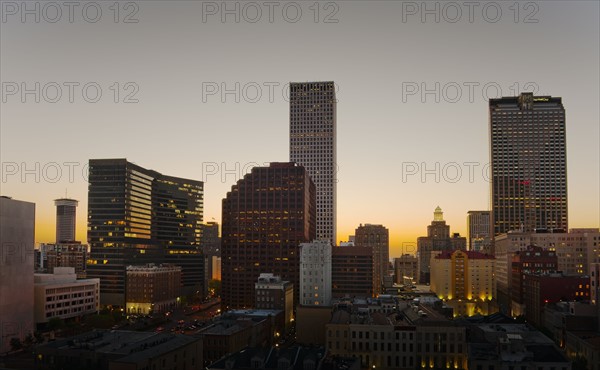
372	54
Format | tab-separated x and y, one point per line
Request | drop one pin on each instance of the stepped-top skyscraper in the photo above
528	163
313	145
138	216
65	219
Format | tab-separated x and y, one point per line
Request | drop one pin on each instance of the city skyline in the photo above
385	133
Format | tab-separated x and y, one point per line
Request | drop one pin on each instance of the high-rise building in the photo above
479	231
352	272
65	219
438	239
376	237
138	216
528	163
17	230
313	145
315	273
465	281
266	216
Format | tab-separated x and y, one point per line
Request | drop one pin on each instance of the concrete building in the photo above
594	282
313	122
513	346
528	162
266	216
479	231
152	288
66	219
61	295
376	237
560	317
315	273
406	269
352	272
17	230
310	324
438	239
120	350
465	281
272	293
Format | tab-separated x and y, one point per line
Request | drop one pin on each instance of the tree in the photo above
55	323
39	338
28	341
15	344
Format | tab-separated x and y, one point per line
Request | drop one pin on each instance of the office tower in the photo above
438	239
376	237
17	230
138	216
266	216
352	272
65	219
528	163
479	231
315	273
313	145
465	281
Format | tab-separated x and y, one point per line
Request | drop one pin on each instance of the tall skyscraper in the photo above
313	145
138	216
17	230
528	163
438	239
376	237
266	216
479	231
65	219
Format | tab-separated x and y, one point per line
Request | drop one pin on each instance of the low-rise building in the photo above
120	350
67	254
62	295
405	269
152	288
272	293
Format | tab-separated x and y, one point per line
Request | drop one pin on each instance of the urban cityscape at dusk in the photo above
316	185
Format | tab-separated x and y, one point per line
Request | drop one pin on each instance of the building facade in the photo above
272	293
315	273
438	239
313	112
376	237
72	254
66	213
465	281
138	216
152	288
17	231
479	231
528	158
352	272
406	269
61	295
266	216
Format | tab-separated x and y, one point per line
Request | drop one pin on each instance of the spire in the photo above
438	215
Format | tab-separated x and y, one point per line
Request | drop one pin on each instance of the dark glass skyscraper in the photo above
313	120
266	216
528	163
138	216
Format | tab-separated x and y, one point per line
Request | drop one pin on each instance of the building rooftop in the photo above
296	358
472	255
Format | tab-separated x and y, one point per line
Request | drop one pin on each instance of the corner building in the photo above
266	216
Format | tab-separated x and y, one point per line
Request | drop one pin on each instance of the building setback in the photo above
313	112
528	157
138	216
266	216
